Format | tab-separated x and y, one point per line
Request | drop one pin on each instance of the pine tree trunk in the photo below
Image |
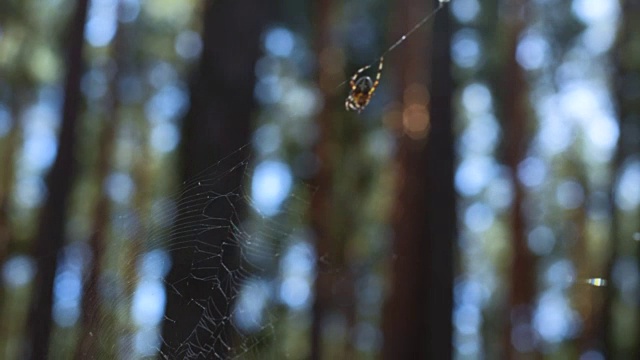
320	211
514	111
441	215
626	67
91	306
50	235
9	150
417	314
216	125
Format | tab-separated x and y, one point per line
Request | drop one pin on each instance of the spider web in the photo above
243	254
229	277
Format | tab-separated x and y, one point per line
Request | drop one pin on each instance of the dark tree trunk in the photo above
626	82
320	211
404	318
8	153
340	184
217	124
417	315
514	111
50	235
441	212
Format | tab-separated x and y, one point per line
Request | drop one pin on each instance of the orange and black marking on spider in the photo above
362	88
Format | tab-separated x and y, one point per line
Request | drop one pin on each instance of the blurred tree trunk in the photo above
587	301
10	145
50	235
320	211
143	178
91	306
442	219
91	310
626	60
216	125
341	184
417	314
514	111
141	210
404	318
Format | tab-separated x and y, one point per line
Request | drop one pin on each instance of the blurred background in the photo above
180	180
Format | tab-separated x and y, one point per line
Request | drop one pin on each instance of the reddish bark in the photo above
514	109
417	315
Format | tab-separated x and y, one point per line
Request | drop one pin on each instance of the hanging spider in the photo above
362	89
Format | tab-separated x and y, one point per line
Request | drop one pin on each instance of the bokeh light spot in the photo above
18	271
279	42
270	185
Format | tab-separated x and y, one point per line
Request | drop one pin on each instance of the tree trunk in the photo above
9	150
626	68
514	111
9	147
91	309
216	125
441	212
417	314
320	211
50	235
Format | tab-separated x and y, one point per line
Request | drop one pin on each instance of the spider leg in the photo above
378	75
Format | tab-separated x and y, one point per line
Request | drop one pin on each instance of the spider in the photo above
362	89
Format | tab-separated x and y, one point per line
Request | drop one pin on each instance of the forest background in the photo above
180	179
